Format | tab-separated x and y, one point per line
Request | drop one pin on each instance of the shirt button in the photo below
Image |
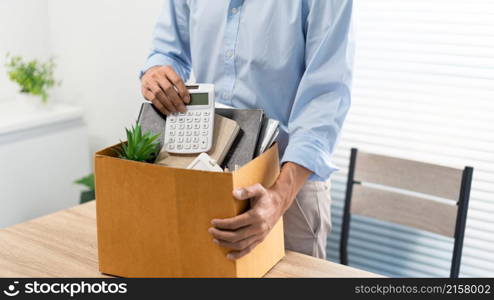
234	10
229	53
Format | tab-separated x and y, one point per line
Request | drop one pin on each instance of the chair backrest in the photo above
379	198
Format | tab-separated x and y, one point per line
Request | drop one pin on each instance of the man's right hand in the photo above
165	89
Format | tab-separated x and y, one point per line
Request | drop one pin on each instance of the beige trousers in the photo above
307	222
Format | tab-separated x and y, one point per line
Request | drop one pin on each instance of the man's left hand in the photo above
243	232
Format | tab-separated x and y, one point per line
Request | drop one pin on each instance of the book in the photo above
151	119
224	134
269	132
272	140
244	147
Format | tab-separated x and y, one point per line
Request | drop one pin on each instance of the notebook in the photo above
152	120
243	150
269	132
224	134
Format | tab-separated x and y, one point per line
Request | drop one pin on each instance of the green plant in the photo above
139	146
87	181
33	77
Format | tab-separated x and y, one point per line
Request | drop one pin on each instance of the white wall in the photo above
23	31
44	150
100	47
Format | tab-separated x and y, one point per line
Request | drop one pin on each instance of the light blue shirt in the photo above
293	59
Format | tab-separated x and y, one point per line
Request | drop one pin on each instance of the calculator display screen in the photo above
199	99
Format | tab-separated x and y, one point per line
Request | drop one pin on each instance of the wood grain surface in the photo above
64	244
430	179
421	213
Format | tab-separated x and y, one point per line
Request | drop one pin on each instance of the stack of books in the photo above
239	136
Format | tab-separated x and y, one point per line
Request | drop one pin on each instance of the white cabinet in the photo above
42	152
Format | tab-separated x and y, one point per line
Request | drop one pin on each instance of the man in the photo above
290	58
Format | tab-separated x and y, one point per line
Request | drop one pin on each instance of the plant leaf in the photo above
140	146
87	181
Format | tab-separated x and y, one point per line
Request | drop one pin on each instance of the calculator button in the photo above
197	126
189	113
197	119
195	146
172	119
180	133
172	133
195	139
189	120
187	139
198	113
187	146
180	140
204	132
179	147
189	126
206	113
171	140
188	133
205	126
172	126
196	132
171	147
182	126
203	143
205	119
181	114
181	119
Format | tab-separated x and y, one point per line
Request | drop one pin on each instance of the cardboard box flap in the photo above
264	169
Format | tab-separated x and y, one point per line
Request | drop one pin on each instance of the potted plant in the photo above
88	182
139	146
34	77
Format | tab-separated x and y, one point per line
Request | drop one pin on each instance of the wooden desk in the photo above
64	244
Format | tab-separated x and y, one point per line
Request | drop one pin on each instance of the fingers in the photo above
183	92
161	97
246	218
150	96
160	106
171	94
243	232
234	255
239	245
249	192
234	223
234	236
162	85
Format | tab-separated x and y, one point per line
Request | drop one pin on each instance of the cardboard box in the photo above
152	220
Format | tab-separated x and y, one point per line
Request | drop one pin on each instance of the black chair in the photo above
376	201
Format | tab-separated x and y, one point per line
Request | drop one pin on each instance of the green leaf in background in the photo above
87	181
33	77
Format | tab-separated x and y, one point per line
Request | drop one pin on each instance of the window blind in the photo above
423	90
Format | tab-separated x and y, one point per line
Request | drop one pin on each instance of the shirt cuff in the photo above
311	154
158	59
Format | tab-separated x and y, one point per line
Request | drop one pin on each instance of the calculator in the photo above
192	131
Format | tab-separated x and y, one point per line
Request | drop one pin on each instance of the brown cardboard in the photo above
152	220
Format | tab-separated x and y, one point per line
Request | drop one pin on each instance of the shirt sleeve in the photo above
171	44
323	96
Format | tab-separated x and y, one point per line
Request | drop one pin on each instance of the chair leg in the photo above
466	183
345	224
